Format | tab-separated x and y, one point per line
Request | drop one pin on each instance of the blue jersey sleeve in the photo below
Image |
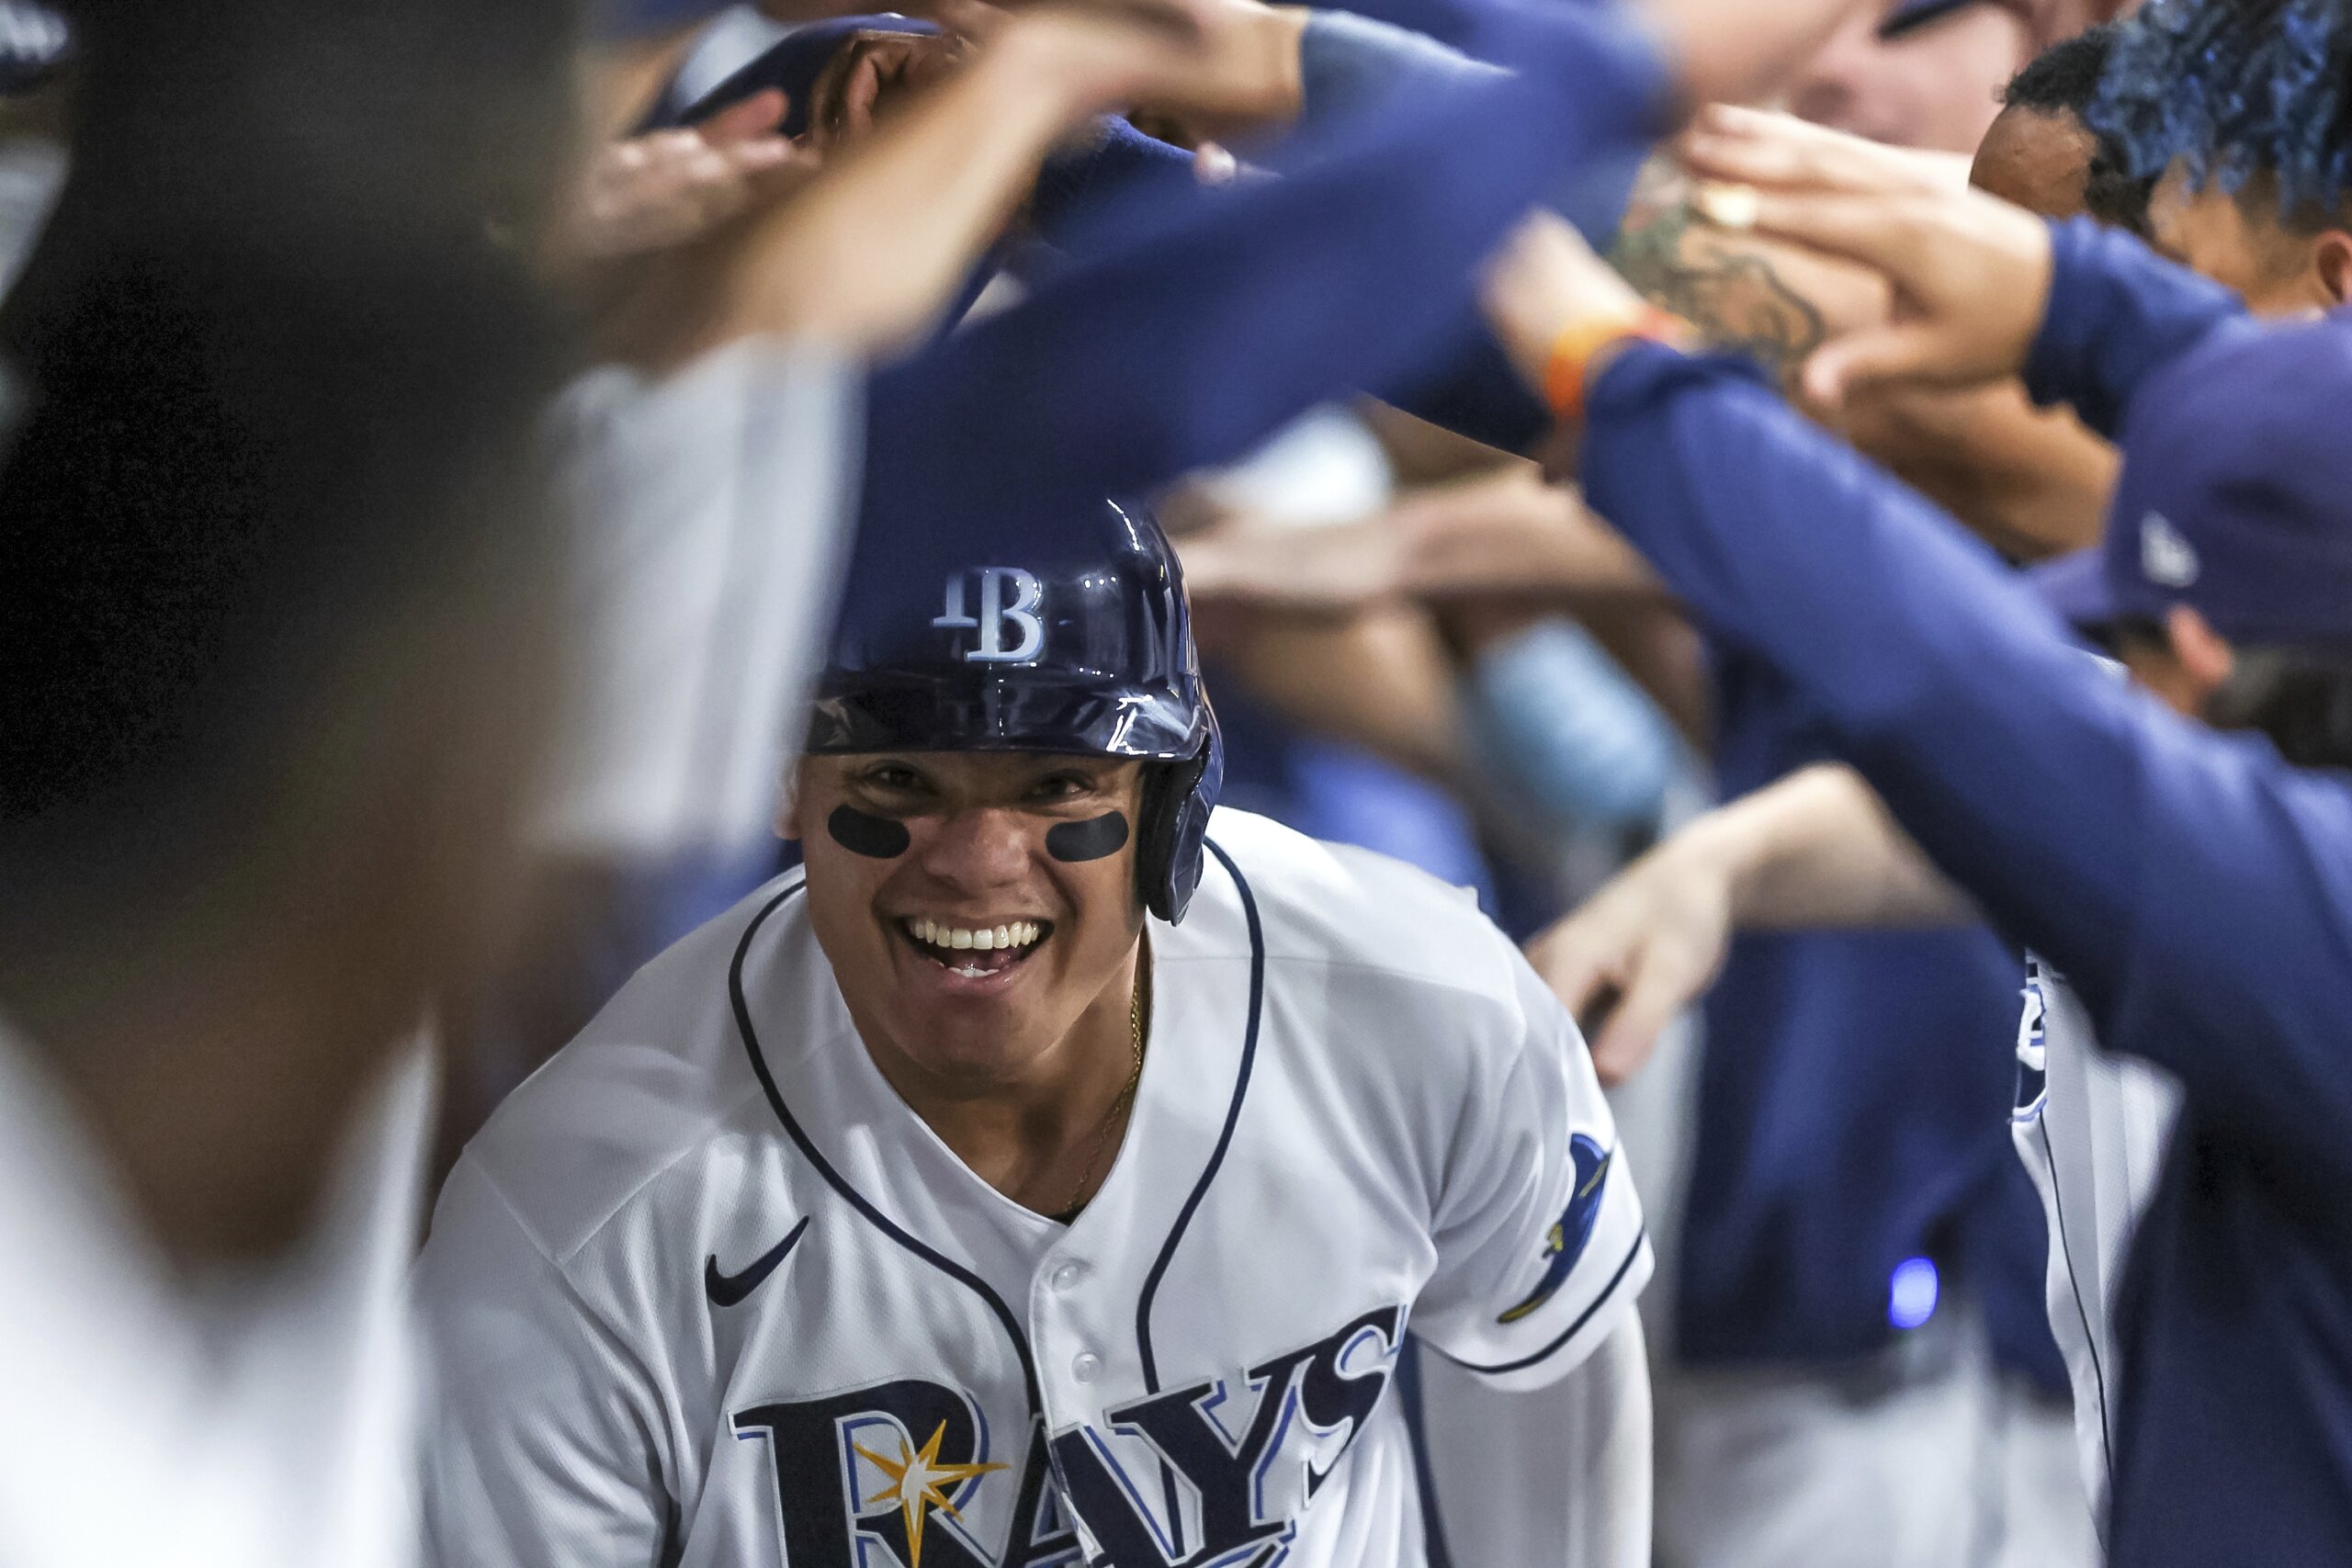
2117	312
2197	890
1220	316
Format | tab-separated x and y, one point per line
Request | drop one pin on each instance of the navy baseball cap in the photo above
619	20
2235	497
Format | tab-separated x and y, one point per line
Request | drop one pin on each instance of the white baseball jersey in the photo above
707	1292
2092	1128
240	1417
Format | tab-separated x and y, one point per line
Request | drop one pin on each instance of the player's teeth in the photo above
959	939
1004	936
984	939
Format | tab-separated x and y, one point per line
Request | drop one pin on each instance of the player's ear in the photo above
2204	655
787	809
2332	263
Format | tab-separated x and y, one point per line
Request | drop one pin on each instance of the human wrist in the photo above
1270	41
1253	79
1726	850
1582	351
1043	68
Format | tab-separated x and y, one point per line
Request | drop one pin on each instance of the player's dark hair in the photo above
2300	697
2253	94
2064	80
276	381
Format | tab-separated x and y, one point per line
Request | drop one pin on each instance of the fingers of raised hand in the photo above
1731	144
1580	959
756	116
1649	1000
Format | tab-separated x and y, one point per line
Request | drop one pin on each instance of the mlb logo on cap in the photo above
2165	557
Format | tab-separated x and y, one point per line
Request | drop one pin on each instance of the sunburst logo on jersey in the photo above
919	1482
1564	1241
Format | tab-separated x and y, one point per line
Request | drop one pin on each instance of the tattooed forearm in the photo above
1724	286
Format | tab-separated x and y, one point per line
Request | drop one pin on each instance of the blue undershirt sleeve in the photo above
1348	64
2117	312
2196	889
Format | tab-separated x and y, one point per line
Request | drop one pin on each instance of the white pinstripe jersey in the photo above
2092	1128
706	1291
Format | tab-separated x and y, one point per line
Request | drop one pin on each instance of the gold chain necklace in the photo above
1126	1098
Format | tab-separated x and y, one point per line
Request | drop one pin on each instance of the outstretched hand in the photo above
1638	952
672	187
1971	273
1239	72
866	256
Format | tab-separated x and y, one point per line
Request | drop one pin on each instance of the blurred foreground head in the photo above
270	584
1933	84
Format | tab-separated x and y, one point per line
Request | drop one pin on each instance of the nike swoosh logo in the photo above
727	1290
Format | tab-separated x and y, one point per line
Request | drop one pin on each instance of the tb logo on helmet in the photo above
995	613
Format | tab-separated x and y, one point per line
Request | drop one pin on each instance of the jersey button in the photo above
1068	1275
1085	1366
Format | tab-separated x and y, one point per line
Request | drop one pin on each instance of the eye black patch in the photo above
1104	835
862	833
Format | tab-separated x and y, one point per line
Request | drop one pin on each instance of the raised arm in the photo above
1218	317
2197	890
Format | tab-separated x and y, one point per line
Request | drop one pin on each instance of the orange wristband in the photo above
1572	351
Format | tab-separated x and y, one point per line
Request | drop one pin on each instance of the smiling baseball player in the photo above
949	1202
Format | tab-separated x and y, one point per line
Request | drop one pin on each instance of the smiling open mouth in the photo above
975	952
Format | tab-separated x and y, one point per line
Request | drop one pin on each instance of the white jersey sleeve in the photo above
543	1442
1542	1247
1559	1475
713	508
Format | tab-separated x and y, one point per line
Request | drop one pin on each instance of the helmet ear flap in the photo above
1177	800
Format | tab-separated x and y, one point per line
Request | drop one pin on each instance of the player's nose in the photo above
978	850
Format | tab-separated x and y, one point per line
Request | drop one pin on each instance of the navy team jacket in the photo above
2196	889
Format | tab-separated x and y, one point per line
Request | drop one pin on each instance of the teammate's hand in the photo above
1971	273
867	254
671	188
1239	71
1783	150
1640	952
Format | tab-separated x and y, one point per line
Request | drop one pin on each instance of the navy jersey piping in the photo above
856	1200
1608	1292
1225	1138
2074	1287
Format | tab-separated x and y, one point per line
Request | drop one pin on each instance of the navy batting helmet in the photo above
1086	650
